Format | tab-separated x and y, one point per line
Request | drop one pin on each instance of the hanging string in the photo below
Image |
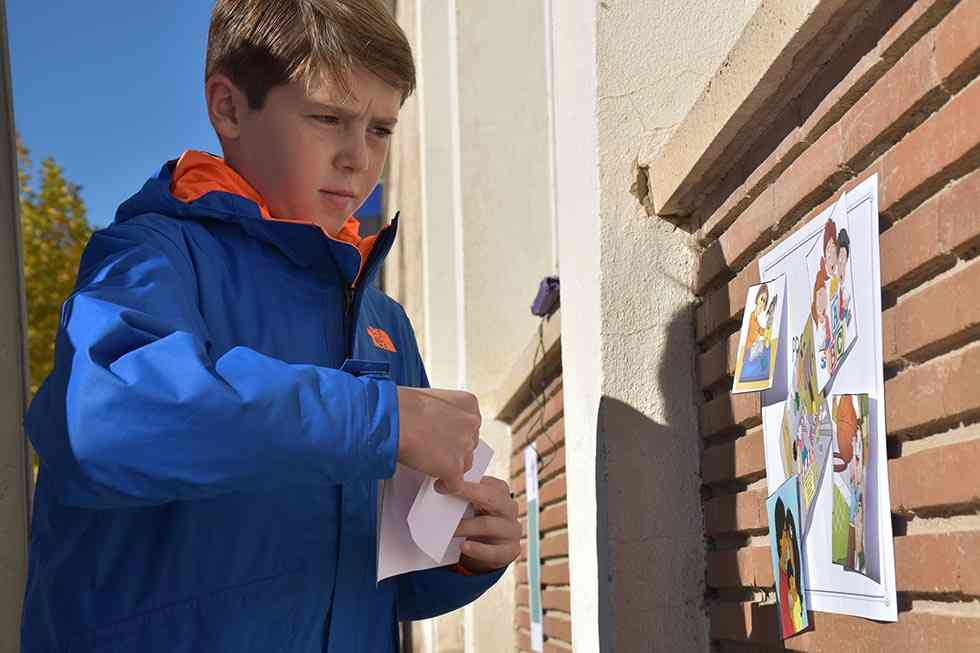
538	386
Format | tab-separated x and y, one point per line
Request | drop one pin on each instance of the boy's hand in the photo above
438	432
493	535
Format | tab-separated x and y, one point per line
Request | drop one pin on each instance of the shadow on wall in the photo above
649	521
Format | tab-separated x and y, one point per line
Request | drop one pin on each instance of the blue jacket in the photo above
209	476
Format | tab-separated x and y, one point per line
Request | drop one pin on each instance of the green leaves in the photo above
54	232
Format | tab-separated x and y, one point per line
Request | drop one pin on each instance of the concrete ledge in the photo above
515	391
756	72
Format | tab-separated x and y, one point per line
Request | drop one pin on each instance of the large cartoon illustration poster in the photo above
824	418
783	509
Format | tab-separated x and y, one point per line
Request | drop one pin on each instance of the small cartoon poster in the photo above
823	418
758	342
787	559
806	431
832	308
853	505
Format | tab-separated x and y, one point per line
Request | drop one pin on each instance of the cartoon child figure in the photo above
791	613
843	258
849	464
821	321
829	262
757	353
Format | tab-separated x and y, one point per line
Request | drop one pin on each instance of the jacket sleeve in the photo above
432	592
137	413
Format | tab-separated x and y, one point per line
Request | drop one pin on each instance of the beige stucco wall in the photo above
476	161
631	426
14	485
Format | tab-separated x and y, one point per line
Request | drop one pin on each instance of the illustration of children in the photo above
757	353
821	321
829	262
849	464
843	258
791	612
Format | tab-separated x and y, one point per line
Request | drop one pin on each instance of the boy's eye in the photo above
329	120
383	132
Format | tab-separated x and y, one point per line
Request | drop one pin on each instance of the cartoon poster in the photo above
806	432
852	504
787	559
823	419
832	309
758	342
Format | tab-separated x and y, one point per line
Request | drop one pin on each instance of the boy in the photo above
229	388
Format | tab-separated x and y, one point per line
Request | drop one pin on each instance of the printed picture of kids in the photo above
806	431
787	560
832	309
758	343
852	438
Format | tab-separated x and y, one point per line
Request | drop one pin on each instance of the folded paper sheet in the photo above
416	523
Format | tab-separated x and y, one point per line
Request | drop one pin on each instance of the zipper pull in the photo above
350	299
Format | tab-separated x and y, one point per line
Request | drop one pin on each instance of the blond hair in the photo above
260	44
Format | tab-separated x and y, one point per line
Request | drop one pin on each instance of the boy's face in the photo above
313	156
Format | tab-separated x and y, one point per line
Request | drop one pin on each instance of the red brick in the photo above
531	427
554	516
816	170
725	412
523	640
553	388
842	96
718	361
745	567
938	313
557	628
723	216
931	479
547	442
928	151
736	459
555	573
558	599
912	244
938	563
921	632
895	94
749	229
940	391
554	546
736	513
922	16
553	490
958	41
958	214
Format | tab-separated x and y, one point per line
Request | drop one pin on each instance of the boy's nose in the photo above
353	155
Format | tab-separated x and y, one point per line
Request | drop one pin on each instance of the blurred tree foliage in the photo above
54	232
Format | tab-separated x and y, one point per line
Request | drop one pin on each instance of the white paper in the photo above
434	517
398	551
830	587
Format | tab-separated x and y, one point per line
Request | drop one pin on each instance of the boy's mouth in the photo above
341	200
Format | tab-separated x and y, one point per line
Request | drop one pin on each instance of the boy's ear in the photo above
226	105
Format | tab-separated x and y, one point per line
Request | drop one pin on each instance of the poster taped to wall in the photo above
824	417
758	341
783	510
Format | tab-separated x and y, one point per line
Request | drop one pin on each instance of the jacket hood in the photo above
202	187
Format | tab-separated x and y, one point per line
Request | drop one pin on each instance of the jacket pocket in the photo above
259	615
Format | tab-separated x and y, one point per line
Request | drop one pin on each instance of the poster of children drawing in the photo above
852	505
806	432
787	559
823	417
758	343
831	304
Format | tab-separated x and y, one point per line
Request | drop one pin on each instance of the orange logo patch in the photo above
381	339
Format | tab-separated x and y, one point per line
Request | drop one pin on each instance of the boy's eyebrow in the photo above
348	114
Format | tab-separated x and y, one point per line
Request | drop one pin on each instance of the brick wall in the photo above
904	102
542	423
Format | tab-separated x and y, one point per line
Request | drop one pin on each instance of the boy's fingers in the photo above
487	526
493	555
491	496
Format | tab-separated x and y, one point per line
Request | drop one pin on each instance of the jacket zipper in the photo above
349	318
